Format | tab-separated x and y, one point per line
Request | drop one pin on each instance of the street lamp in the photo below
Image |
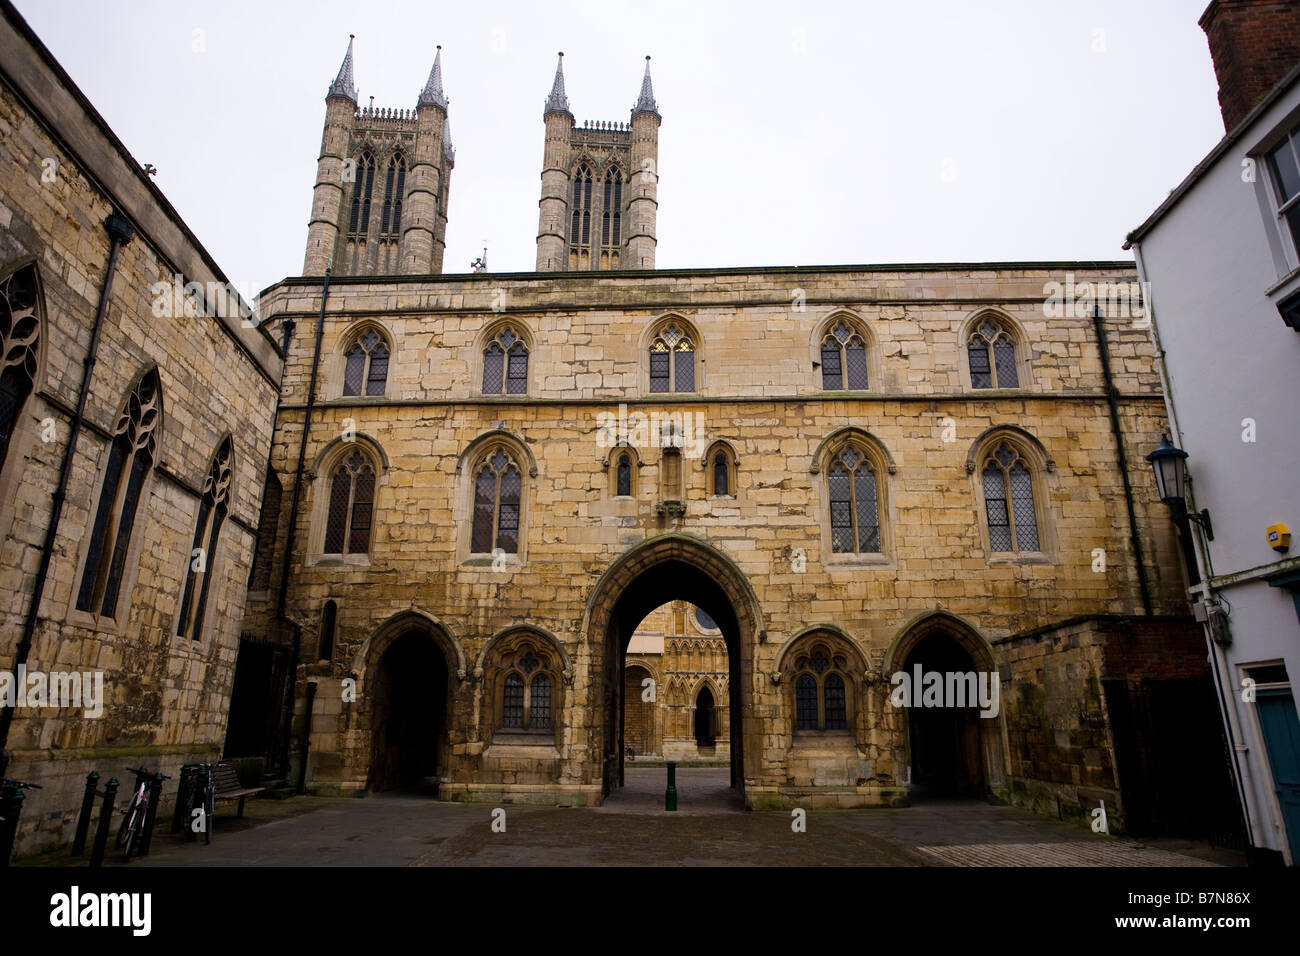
1170	466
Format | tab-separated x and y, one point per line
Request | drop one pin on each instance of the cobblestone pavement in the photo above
633	829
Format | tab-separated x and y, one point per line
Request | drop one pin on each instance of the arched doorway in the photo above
945	740
953	749
704	720
666	568
409	709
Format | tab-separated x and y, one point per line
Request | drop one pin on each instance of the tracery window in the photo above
130	459
351	506
580	229
362	187
498	492
821	698
505	364
366	371
991	350
844	359
672	361
1009	501
213	505
854	502
20	330
528	687
611	230
394	189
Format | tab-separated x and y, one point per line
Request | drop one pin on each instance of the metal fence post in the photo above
105	817
87	808
670	795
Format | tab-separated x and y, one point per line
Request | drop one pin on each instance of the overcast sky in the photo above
793	133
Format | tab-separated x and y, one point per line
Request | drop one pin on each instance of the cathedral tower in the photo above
380	202
599	186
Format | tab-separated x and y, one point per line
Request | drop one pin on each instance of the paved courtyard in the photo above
632	829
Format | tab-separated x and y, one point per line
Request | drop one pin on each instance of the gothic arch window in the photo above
525	674
394	189
822	699
672	359
328	622
853	497
213	505
625	466
365	370
20	330
1009	508
131	457
992	354
362	187
351	505
505	363
498	499
580	226
611	228
844	357
720	466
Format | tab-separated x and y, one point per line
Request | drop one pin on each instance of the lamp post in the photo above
1170	466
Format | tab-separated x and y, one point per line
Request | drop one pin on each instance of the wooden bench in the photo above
226	786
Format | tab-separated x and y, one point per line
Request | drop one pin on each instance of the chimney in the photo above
1254	44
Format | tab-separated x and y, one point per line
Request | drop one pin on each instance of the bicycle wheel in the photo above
126	820
134	831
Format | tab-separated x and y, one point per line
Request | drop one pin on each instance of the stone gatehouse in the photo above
480	486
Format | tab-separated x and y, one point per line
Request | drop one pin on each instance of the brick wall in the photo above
1254	43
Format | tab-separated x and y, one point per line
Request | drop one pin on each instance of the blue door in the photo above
1281	727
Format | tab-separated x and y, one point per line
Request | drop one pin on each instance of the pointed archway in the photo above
668	567
951	750
410	663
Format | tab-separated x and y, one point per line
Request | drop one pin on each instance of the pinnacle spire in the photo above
557	102
343	83
645	103
432	94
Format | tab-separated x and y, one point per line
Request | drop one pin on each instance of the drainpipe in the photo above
282	600
120	232
1112	400
1218	661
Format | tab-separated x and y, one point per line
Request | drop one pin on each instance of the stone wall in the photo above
165	697
757	333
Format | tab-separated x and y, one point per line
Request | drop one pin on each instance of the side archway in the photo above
958	747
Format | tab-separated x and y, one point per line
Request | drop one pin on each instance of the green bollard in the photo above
670	795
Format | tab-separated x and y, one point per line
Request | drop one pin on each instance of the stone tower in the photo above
380	202
599	186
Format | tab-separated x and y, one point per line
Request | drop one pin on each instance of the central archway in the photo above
664	568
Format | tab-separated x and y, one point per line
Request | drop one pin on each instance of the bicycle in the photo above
131	832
